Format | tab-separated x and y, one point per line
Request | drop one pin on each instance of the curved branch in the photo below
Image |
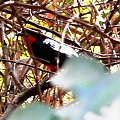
24	96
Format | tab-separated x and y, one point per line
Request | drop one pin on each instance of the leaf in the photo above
91	84
34	111
106	91
70	112
83	72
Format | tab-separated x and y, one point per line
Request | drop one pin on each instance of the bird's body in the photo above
47	50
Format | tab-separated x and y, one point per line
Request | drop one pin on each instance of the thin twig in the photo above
24	96
21	63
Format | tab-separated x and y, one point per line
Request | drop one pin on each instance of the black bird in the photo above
46	50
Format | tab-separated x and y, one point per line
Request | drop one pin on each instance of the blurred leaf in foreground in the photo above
111	112
92	85
83	72
35	111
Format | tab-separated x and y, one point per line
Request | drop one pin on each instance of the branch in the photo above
21	63
24	96
111	15
8	65
12	3
49	30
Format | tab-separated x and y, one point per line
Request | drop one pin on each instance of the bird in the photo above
46	50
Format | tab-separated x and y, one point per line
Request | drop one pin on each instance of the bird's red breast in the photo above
28	40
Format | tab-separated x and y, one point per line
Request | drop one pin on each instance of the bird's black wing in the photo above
47	54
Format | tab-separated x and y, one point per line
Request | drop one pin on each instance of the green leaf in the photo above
92	85
83	72
34	111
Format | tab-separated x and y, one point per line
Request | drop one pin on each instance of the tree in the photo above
90	27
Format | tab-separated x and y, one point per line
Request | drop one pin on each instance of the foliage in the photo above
105	89
39	112
90	27
92	86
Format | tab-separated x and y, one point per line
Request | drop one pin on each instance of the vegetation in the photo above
91	27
